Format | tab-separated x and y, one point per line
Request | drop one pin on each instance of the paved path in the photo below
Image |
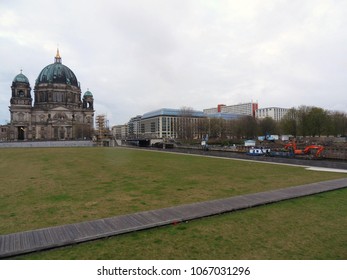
336	164
58	236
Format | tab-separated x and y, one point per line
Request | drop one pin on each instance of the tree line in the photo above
301	121
314	121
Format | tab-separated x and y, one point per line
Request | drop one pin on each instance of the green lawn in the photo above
53	186
305	228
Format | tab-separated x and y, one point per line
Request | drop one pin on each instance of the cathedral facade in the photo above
57	111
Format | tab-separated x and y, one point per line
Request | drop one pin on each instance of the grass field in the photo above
305	228
46	187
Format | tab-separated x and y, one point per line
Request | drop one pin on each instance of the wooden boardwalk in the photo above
58	236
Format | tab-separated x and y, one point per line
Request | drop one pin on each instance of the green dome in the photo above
20	78
57	73
88	93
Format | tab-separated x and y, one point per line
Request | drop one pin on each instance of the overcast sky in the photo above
138	56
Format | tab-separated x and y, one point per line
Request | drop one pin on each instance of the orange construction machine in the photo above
307	151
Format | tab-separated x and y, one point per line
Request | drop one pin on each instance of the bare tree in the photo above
185	123
289	123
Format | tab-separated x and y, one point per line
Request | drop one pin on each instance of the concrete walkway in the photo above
53	237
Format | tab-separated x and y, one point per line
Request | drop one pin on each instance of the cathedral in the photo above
59	111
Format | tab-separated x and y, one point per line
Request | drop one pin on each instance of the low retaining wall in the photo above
43	144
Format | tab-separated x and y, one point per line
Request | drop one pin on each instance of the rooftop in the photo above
172	112
192	113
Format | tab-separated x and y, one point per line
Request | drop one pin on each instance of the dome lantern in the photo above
57	58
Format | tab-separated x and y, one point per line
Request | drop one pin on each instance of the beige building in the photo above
166	124
59	111
120	131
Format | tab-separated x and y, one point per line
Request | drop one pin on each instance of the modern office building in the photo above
215	110
275	113
120	131
245	109
134	127
170	123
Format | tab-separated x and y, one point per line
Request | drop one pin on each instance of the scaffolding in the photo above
100	124
102	130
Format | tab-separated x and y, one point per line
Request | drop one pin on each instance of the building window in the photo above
164	123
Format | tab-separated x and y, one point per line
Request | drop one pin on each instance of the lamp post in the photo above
72	120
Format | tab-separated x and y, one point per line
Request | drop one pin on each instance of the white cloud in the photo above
137	56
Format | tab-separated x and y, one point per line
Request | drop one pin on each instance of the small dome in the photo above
20	78
88	93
